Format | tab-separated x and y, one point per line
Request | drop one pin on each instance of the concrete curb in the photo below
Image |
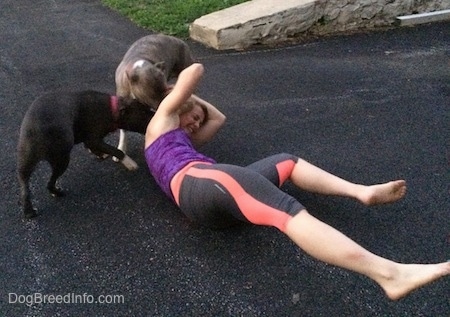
254	21
421	18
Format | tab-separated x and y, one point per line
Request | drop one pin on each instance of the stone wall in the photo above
275	21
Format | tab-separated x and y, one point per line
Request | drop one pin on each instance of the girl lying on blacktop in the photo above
217	195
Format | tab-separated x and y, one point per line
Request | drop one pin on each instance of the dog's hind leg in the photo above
24	170
122	144
59	166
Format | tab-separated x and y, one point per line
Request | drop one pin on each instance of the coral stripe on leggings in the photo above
218	195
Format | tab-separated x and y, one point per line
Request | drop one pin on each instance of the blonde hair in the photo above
189	105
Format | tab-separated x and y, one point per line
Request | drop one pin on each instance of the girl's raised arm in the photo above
184	87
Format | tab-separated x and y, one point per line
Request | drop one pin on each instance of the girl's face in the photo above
192	120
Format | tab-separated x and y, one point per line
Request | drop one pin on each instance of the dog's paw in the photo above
30	213
56	192
98	155
103	156
129	163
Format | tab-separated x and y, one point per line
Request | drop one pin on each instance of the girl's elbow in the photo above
223	119
199	69
198	66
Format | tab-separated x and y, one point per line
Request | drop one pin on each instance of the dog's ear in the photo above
133	77
161	66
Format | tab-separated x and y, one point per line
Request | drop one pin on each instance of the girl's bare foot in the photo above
383	193
410	277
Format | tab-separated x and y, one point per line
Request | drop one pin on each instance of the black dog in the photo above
55	122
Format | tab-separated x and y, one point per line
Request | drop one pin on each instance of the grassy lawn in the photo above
168	16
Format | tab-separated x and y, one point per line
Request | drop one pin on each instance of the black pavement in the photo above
369	107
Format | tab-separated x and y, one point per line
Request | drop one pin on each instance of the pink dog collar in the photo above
115	112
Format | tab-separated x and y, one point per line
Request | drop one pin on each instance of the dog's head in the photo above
147	82
134	115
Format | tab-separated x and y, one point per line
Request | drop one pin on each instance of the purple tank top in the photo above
168	154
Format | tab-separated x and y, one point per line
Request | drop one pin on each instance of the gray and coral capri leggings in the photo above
220	195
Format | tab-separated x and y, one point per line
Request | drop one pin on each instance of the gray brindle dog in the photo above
146	67
56	121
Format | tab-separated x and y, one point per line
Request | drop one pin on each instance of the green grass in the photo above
171	17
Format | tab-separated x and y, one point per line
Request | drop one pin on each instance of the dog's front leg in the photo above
98	146
122	143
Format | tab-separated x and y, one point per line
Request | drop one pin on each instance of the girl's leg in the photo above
311	178
327	244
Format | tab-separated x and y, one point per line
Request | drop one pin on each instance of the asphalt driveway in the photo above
368	107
